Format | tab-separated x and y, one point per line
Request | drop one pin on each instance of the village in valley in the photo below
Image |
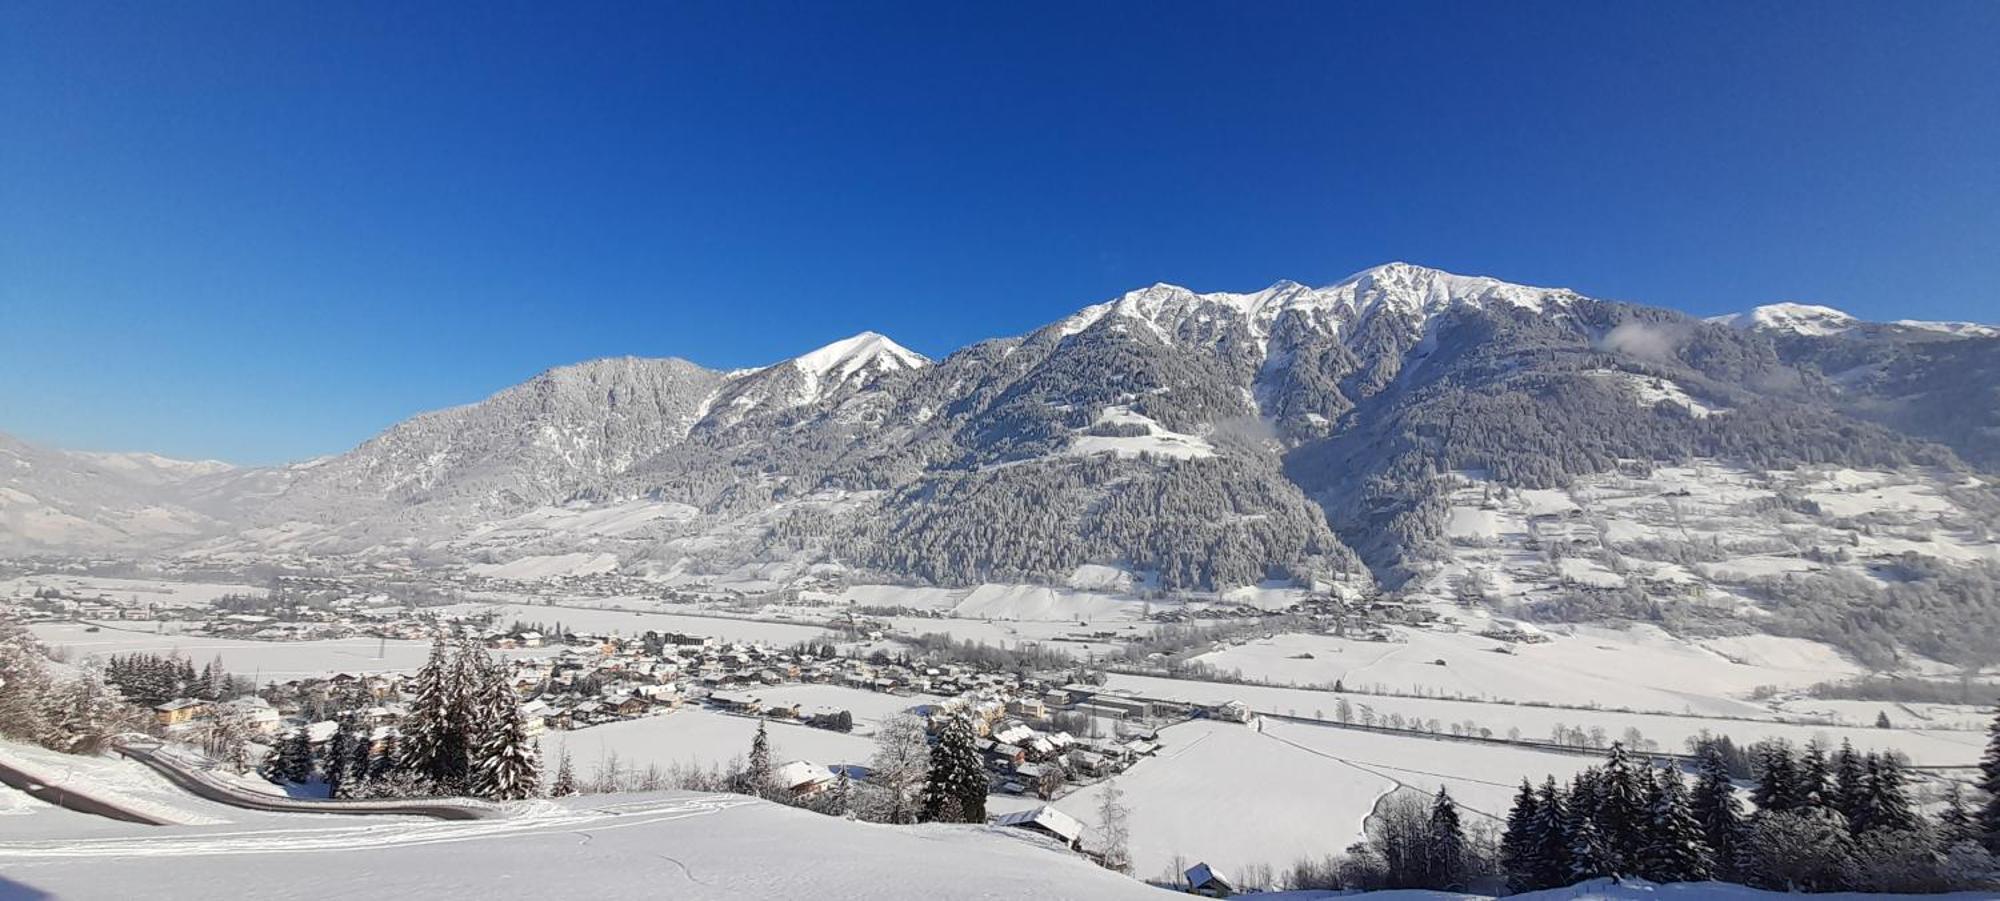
1140	720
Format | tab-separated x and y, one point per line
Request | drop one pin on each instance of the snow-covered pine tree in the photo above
565	783
472	711
1517	842
1621	810
1777	778
758	775
1444	845
292	760
955	789
1589	858
1956	823
1550	864
1674	849
1989	782
508	764
429	744
1718	811
339	754
1848	777
1888	797
1814	786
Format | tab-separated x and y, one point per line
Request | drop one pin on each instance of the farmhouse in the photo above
1047	821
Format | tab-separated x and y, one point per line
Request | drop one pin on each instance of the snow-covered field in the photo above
263	661
639	617
160	592
1276	792
696	737
611	846
1642	668
1924	747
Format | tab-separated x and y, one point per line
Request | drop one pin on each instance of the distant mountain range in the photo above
1193	441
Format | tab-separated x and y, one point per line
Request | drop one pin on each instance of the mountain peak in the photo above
1799	318
842	359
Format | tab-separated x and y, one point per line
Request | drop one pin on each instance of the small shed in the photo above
1203	880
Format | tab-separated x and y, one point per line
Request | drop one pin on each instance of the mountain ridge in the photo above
1290	435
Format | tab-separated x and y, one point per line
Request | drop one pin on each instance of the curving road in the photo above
196	782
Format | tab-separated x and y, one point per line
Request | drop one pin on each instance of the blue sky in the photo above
260	232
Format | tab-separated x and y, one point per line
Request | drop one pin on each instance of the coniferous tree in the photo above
1589	857
292	759
507	762
1714	806
1777	778
1849	776
565	784
432	749
758	776
1517	843
339	751
1551	866
1956	823
955	789
1445	843
1887	805
1674	849
470	720
1621	810
1989	782
1814	784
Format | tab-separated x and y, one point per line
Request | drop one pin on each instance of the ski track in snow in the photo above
349	838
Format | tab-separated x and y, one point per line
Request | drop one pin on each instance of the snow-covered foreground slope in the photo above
651	845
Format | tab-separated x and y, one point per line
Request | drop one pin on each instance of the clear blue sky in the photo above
263	231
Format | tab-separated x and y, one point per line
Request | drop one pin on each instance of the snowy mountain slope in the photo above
51	499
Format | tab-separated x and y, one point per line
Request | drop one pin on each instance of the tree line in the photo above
464	735
1821	822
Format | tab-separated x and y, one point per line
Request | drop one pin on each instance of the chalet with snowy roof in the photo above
1047	821
179	711
736	702
804	778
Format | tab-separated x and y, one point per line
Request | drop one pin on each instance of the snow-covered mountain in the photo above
1812	320
1198	441
1799	318
836	370
52	499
